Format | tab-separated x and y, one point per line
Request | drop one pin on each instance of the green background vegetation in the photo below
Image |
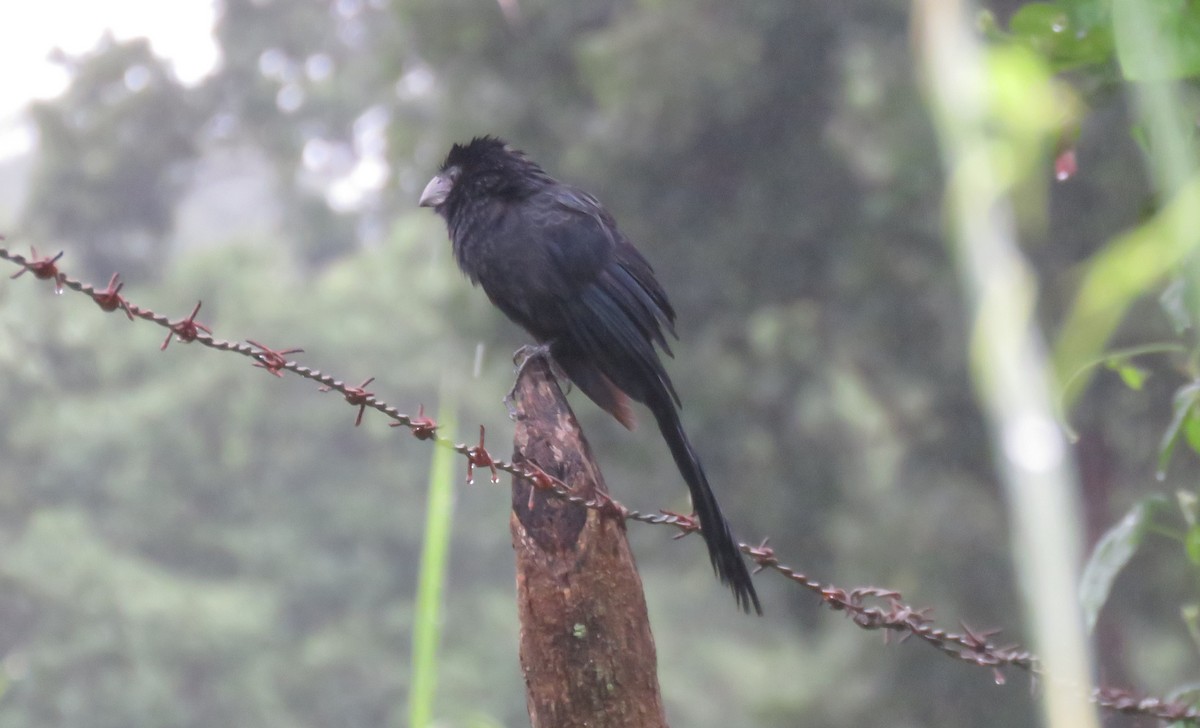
186	541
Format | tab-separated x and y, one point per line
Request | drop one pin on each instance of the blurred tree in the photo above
312	86
113	155
774	162
764	157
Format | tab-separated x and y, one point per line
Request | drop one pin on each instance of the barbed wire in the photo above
871	608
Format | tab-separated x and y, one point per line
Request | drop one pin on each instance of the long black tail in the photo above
723	548
611	357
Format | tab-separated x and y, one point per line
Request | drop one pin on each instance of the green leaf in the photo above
1114	549
1119	275
1065	36
1191	620
1133	376
1088	15
1157	40
1174	302
1108	359
1038	22
1182	405
1191	430
1191	544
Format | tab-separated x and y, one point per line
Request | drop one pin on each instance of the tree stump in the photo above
587	652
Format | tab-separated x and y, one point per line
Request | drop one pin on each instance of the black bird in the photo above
552	259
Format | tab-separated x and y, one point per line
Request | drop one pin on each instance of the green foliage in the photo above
1133	376
233	552
1111	554
1068	34
1184	424
1093	34
1173	25
1152	45
1118	276
713	59
179	543
1120	544
115	148
1191	545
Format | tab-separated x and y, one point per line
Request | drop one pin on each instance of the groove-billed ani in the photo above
552	259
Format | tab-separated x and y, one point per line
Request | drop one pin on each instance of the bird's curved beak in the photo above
436	191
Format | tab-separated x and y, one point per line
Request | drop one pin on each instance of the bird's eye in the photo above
453	173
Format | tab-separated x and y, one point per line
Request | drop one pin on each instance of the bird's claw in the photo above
521	359
522	356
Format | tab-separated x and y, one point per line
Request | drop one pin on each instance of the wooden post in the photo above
586	648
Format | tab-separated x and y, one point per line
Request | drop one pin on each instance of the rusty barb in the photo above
871	608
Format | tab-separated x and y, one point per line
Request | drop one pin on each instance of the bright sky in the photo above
179	30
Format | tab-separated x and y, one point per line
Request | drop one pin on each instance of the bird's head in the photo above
485	167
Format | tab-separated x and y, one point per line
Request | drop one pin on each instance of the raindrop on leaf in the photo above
1065	165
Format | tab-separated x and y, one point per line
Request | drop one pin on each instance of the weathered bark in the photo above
586	648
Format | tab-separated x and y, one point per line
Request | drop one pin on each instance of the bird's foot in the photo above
521	359
522	356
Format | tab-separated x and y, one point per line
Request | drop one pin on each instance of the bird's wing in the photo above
617	311
621	271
